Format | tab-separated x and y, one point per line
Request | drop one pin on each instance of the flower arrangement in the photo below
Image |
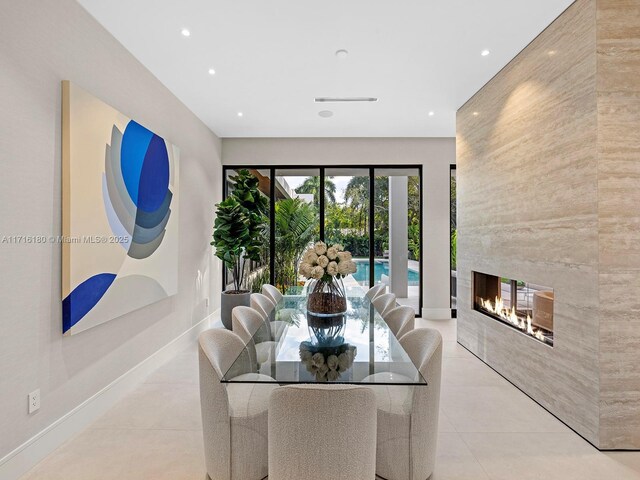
327	363
322	262
326	265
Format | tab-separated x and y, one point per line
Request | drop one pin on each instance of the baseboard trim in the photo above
22	459
436	313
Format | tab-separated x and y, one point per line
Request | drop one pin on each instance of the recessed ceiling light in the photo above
240	114
431	114
212	71
185	32
475	114
342	53
325	113
484	53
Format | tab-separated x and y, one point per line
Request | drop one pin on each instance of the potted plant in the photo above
237	237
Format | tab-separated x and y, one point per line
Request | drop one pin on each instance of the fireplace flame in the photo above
510	316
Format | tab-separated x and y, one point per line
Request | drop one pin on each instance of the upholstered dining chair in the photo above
408	416
265	306
251	327
234	415
324	432
385	302
375	291
400	320
272	292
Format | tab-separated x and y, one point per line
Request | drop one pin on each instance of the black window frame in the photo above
322	168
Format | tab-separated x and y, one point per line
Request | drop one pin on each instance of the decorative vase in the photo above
326	331
327	298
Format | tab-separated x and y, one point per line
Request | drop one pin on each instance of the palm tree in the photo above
312	185
356	196
295	225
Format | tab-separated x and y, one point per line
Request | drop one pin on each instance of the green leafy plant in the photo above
239	224
295	224
454	247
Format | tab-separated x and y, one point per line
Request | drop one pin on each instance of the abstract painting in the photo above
120	213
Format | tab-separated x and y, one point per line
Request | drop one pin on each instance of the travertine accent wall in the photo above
618	50
549	193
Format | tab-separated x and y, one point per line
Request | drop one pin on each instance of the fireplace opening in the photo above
525	306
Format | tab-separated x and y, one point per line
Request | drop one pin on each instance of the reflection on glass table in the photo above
357	347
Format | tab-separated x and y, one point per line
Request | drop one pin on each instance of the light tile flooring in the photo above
488	430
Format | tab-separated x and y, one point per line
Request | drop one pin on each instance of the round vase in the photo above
327	298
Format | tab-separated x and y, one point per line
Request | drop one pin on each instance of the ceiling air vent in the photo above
344	99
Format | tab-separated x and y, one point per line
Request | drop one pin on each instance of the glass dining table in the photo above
357	347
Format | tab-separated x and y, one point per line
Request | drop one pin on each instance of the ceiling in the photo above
272	58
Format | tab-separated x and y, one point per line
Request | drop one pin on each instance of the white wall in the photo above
435	154
41	43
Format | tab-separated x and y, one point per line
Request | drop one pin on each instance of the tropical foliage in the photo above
312	185
295	224
239	225
453	228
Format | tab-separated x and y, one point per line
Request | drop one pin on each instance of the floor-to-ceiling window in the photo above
397	232
296	223
374	212
453	238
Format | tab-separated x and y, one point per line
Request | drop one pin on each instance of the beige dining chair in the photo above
266	307
408	415
385	302
401	320
250	326
375	291
234	415
272	292
322	432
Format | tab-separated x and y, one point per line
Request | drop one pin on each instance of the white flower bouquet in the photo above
322	262
327	363
326	265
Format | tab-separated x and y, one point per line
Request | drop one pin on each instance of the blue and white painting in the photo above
120	213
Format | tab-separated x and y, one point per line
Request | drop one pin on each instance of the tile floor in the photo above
488	430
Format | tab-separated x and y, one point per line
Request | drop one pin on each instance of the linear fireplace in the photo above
525	306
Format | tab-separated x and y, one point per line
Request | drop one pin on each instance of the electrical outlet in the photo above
34	401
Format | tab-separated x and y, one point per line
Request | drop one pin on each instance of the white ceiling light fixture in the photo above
485	52
240	114
325	113
344	99
342	53
212	71
185	32
431	114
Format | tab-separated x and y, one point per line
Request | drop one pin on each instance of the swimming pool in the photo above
381	267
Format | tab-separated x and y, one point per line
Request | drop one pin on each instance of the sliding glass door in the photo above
373	212
346	217
296	223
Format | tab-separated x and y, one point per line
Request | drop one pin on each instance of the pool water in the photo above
381	267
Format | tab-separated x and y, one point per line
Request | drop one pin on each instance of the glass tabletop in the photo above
357	348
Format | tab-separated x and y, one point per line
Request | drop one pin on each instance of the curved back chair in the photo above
251	327
375	291
408	418
265	306
234	416
322	432
272	292
385	302
401	320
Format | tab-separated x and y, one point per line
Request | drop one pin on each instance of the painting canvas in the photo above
120	213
